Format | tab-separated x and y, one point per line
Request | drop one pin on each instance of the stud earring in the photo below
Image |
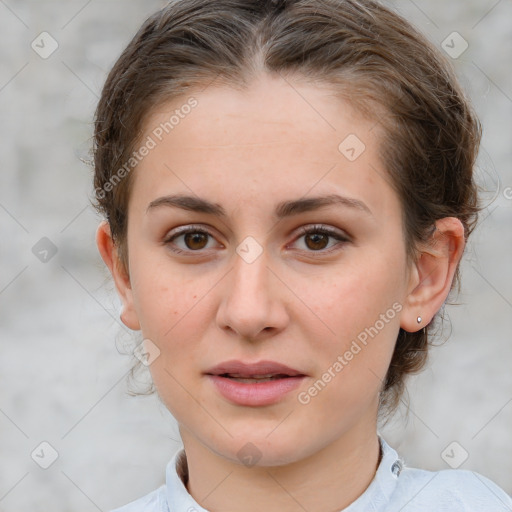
418	319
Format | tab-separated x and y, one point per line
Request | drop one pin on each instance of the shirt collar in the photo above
374	499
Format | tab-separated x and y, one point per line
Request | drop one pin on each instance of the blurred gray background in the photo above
62	370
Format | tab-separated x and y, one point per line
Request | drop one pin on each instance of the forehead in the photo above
276	138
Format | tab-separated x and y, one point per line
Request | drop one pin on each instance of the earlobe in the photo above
433	273
110	256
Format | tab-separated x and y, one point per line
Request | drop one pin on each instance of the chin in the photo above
257	448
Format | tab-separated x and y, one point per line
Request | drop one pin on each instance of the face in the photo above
289	250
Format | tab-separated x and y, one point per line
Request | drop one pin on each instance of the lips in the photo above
254	371
254	384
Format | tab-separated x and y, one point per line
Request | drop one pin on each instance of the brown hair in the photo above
373	57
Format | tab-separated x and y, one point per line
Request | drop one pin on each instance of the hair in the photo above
371	56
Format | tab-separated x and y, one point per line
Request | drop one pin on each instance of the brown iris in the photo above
196	241
317	241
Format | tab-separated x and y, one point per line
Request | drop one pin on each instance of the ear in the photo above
432	274
110	256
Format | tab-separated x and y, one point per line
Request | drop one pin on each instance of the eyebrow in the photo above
284	209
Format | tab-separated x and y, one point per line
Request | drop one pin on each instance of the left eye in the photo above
318	238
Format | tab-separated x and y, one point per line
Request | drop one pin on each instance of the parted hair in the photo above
373	57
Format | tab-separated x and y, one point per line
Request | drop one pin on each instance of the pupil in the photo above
319	241
195	240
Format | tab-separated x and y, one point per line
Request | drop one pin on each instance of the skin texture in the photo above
295	304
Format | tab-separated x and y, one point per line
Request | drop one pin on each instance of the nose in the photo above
252	304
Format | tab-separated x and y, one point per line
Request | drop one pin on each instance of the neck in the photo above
330	479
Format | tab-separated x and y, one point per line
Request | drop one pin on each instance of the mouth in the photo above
254	384
260	371
254	379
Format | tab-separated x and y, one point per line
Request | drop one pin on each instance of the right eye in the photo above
189	239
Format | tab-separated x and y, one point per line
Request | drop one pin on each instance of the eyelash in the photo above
342	239
315	229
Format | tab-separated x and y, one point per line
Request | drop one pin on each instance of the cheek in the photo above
165	298
353	297
359	308
171	311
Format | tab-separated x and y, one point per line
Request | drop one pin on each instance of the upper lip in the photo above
247	370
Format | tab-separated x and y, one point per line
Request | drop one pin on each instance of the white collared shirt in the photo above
394	488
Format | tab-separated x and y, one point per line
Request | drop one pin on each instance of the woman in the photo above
288	190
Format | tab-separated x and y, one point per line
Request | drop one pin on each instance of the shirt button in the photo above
396	468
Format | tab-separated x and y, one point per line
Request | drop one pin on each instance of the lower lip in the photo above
257	394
